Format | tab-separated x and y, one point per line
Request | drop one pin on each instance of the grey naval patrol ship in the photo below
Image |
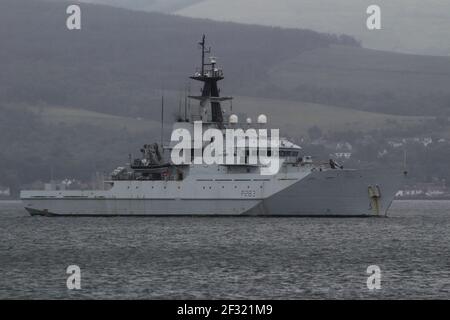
153	185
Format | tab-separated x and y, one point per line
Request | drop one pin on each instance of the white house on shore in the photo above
5	192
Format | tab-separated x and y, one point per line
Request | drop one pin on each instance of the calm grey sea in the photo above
203	258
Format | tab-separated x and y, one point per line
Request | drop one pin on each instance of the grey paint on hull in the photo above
333	193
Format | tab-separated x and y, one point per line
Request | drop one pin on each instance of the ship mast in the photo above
210	91
202	44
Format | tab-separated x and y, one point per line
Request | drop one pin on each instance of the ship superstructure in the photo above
154	185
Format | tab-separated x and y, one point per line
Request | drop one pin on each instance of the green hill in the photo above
120	60
295	118
412	26
367	80
75	117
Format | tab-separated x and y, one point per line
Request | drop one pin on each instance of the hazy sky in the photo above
411	26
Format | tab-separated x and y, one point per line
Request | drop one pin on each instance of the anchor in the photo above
374	196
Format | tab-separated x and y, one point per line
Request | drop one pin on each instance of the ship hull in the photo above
335	193
332	193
